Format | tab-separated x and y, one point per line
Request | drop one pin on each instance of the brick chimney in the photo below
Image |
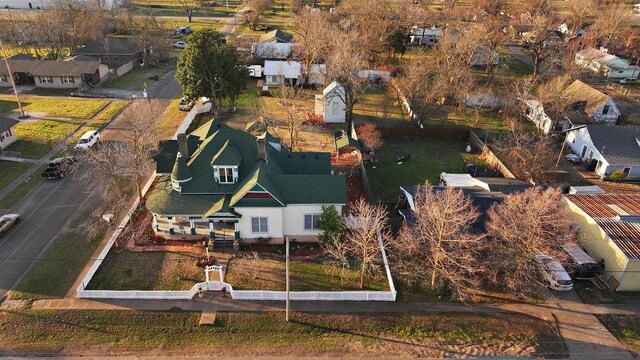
261	142
182	146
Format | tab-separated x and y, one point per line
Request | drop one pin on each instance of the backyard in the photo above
246	335
268	273
428	158
157	270
37	137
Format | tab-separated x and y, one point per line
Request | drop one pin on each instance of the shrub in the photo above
617	175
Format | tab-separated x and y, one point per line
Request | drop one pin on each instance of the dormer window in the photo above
225	174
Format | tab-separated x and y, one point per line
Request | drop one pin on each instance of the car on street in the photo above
185	104
180	44
186	30
556	277
629	81
88	140
59	167
8	221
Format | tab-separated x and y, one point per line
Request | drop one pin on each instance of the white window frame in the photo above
313	223
262	225
3	78
5	135
46	79
222	170
67	80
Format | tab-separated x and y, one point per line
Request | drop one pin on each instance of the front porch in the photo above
196	228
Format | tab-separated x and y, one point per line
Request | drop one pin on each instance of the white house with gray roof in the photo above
604	63
613	147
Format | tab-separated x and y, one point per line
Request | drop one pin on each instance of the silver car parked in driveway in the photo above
555	275
8	221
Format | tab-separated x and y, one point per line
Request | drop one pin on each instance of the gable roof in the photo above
278	36
7	123
333	87
596	55
610	212
272	50
618	144
50	67
114	46
579	91
289	69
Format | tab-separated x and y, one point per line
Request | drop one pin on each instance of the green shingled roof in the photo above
290	177
164	200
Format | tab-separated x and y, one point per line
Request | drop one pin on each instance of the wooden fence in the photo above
489	156
447	133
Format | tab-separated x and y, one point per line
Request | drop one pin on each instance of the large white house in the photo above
331	104
604	63
291	73
425	36
610	147
223	183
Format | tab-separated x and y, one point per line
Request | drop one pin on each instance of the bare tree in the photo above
370	136
580	12
438	248
552	94
189	6
151	35
291	102
524	225
361	245
528	156
311	30
256	9
611	19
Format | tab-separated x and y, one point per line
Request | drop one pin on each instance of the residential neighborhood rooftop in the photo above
50	67
618	144
6	123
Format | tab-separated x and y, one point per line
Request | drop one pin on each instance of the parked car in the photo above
264	27
186	30
185	104
7	221
180	44
554	274
59	167
88	139
582	266
629	81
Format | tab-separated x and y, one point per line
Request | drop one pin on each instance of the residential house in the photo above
120	54
220	182
609	230
291	73
492	184
425	36
276	36
67	74
331	104
606	64
608	148
272	51
7	132
482	56
587	106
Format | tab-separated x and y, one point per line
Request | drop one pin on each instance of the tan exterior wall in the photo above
599	246
57	83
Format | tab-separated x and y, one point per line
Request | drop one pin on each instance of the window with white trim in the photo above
259	225
67	80
3	78
46	79
311	221
5	135
225	174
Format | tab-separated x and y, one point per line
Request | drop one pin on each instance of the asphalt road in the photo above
45	213
167	87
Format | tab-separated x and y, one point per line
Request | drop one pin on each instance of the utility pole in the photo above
23	115
286	240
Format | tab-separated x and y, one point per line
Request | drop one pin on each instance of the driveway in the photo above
45	213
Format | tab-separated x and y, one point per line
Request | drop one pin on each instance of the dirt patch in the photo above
296	250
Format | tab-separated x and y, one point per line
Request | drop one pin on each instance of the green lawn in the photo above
269	274
112	110
518	68
126	270
60	264
10	171
429	158
253	334
380	106
54	106
14	197
624	328
36	138
136	78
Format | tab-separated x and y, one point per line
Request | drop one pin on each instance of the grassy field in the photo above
112	110
136	78
196	24
428	159
60	264
10	171
14	197
624	328
54	106
269	274
126	270
253	334
380	106
170	119
36	138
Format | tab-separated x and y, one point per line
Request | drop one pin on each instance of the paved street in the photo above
45	213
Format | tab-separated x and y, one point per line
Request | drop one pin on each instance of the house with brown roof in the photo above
68	74
7	133
609	230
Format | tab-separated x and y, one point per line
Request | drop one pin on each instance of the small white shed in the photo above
331	104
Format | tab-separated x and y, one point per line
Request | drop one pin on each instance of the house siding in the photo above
10	140
274	223
577	139
631	278
293	216
599	247
328	115
57	83
612	115
537	115
634	171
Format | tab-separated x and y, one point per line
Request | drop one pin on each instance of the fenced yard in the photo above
428	158
268	273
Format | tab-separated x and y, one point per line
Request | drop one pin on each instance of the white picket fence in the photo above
197	109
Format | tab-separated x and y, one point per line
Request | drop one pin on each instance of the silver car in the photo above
7	221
